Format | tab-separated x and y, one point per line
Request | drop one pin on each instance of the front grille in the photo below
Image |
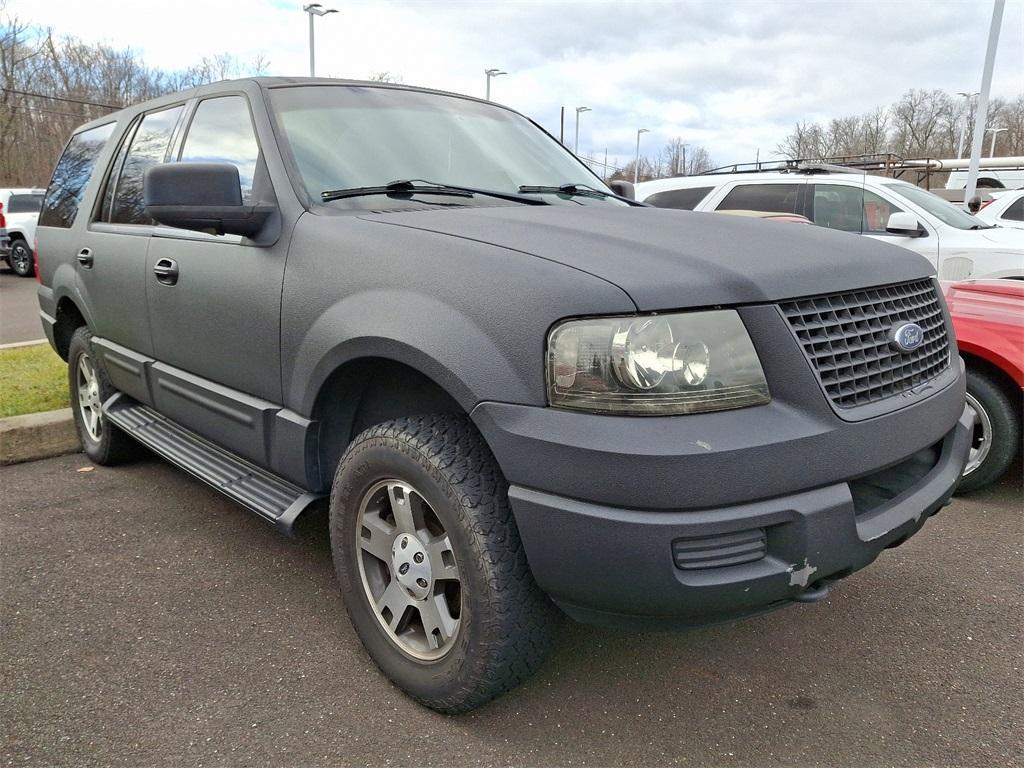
846	337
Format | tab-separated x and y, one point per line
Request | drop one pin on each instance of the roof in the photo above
647	188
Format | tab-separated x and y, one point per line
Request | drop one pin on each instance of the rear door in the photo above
764	196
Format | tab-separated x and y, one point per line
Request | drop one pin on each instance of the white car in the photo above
20	209
958	244
1005	210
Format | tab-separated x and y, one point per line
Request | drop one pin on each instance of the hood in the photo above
1005	236
667	259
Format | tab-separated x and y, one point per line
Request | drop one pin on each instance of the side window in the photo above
851	209
1015	212
70	177
682	199
148	148
221	132
24	203
769	198
110	185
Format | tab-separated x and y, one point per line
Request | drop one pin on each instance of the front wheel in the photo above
20	258
431	565
996	435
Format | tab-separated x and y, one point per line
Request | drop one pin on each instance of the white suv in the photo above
959	245
20	209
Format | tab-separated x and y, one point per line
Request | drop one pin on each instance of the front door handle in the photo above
166	271
85	258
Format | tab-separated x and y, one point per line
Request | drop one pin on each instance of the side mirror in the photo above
904	224
623	189
201	196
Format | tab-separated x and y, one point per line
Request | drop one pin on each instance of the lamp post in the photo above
995	132
636	164
576	145
963	125
492	73
314	9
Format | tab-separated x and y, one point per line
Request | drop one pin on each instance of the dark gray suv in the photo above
519	389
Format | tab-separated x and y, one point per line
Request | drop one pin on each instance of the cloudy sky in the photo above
733	76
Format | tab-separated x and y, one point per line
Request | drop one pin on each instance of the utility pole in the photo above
963	123
561	128
314	9
995	132
981	115
492	73
636	165
576	145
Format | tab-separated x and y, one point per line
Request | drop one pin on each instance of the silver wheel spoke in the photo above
381	536
395	600
437	621
442	558
400	497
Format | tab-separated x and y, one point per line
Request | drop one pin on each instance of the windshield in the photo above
945	212
343	137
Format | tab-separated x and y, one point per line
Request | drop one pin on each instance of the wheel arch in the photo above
997	374
69	317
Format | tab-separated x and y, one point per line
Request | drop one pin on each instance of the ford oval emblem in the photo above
906	337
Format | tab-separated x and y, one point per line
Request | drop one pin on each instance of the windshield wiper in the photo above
422	187
574	190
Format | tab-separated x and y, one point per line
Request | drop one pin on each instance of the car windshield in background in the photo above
23	203
945	212
346	137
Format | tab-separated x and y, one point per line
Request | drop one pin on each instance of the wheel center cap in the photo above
411	566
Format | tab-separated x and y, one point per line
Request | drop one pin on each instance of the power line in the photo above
62	98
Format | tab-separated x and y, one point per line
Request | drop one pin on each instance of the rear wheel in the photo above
20	258
431	566
996	435
102	442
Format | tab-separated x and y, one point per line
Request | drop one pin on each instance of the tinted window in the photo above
851	209
115	170
24	203
1015	212
149	147
71	176
770	198
221	132
683	199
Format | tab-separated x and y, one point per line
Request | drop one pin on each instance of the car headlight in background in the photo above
655	365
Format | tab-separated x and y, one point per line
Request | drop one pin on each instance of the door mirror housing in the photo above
206	197
904	224
623	189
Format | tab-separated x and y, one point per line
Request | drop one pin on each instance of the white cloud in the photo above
734	76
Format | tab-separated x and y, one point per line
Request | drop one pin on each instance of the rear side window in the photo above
851	209
1016	211
221	132
769	198
24	203
681	199
71	176
148	148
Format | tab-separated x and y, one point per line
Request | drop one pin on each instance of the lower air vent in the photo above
720	551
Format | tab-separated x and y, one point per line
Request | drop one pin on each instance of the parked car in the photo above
1005	210
957	244
20	209
989	178
518	389
988	318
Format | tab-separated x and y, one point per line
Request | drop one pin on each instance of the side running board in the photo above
275	500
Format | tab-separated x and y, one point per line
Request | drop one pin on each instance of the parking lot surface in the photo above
149	622
19	308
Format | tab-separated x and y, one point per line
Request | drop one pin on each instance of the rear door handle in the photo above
166	271
85	258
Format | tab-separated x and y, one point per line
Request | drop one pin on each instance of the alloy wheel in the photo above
89	403
981	440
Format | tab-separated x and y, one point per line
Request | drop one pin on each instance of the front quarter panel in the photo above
471	316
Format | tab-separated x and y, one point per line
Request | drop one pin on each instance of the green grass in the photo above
32	379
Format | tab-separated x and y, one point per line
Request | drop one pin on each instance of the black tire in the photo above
993	402
507	624
111	445
20	258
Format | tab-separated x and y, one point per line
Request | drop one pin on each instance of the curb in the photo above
37	436
16	344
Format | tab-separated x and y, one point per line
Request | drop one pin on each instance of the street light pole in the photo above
314	9
963	124
576	145
636	164
995	132
981	111
492	73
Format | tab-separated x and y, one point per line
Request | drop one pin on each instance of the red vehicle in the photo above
988	317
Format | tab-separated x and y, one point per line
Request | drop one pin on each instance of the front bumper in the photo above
643	524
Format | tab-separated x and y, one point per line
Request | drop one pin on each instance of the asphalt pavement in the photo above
149	622
19	308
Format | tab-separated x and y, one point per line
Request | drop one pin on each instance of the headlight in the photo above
656	365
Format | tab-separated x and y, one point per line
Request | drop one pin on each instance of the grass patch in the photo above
32	379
